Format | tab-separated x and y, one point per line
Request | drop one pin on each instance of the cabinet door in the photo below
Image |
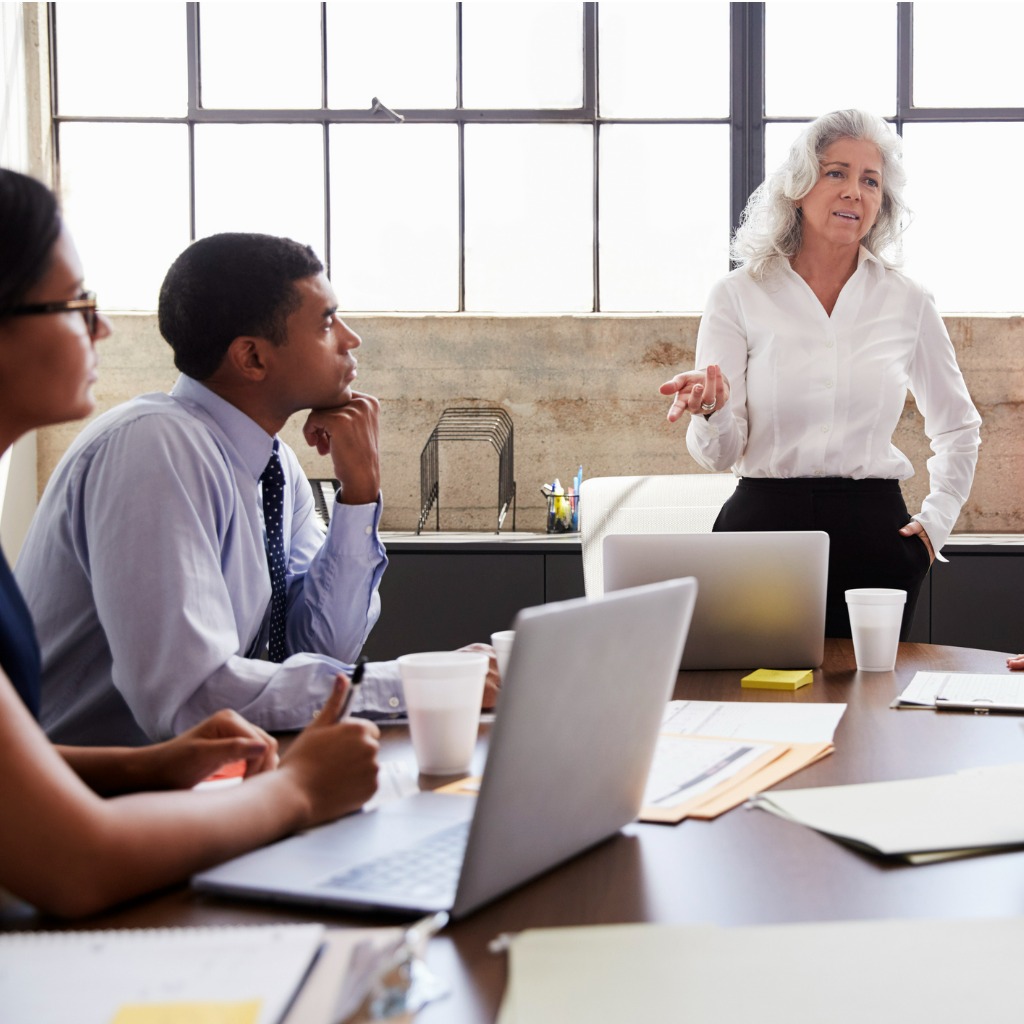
563	575
920	625
976	601
444	600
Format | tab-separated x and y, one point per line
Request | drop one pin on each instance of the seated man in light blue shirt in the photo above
146	566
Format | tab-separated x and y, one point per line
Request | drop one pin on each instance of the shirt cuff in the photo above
380	694
353	530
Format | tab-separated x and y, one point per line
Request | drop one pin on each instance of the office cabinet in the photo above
443	591
977	599
441	600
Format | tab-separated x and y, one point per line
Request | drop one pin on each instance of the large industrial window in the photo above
518	157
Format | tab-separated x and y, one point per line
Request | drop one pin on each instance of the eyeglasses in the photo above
84	303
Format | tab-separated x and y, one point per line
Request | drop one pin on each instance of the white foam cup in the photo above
443	693
876	614
502	644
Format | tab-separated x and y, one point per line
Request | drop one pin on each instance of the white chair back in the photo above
680	503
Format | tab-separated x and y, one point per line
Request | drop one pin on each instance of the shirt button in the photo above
828	383
368	530
829	343
824	429
393	702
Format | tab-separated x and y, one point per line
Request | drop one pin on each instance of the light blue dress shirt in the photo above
146	574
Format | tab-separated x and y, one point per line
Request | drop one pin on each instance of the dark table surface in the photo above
746	867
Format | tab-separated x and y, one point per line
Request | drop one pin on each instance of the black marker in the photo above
357	678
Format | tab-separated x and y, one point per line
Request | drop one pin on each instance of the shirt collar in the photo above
250	440
867	256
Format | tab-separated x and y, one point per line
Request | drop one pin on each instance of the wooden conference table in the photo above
746	867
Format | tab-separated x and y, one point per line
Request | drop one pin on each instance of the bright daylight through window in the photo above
521	157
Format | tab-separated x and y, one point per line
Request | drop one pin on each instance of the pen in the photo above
357	678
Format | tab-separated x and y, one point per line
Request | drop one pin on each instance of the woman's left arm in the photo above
951	422
178	763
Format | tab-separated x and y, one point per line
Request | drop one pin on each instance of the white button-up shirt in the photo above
815	395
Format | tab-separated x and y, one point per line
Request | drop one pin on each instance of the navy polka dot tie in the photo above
273	503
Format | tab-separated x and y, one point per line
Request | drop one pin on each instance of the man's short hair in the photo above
228	285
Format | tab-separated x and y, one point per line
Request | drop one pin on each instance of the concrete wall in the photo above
579	389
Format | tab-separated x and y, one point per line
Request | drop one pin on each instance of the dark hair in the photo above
228	285
30	222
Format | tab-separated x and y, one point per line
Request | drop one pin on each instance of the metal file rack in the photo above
493	425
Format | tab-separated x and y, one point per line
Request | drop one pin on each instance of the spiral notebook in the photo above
227	975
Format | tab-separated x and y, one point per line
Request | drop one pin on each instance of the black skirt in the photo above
862	519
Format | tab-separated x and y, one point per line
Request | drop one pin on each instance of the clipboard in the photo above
980	694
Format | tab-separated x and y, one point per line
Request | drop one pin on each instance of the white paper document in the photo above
980	690
942	972
760	720
971	811
683	769
96	977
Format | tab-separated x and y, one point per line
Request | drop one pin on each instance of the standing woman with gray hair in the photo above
805	354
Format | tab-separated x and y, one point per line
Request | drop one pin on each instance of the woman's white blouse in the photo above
819	395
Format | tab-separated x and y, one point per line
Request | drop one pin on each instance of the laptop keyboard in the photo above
430	868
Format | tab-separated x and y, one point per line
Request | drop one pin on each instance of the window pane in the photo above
14	123
957	243
257	56
821	57
664	215
402	53
281	191
664	60
522	55
395	216
124	190
777	140
985	41
529	218
122	60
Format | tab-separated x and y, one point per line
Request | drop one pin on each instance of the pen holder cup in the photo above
563	513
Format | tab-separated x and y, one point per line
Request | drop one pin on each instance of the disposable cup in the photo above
443	692
876	614
502	644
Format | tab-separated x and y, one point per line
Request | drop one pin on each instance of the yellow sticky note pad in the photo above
777	679
247	1012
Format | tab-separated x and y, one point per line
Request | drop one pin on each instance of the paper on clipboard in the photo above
964	691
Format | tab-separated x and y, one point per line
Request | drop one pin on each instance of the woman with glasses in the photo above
84	827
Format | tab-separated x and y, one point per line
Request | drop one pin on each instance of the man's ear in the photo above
246	356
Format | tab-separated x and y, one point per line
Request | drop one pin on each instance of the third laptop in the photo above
762	595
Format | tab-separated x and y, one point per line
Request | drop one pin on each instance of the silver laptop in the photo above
762	595
568	758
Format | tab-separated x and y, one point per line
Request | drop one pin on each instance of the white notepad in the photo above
842	972
91	977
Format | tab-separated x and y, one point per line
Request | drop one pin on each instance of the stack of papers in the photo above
963	691
247	974
943	972
714	755
919	820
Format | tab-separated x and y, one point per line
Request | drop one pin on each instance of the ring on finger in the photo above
708	406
